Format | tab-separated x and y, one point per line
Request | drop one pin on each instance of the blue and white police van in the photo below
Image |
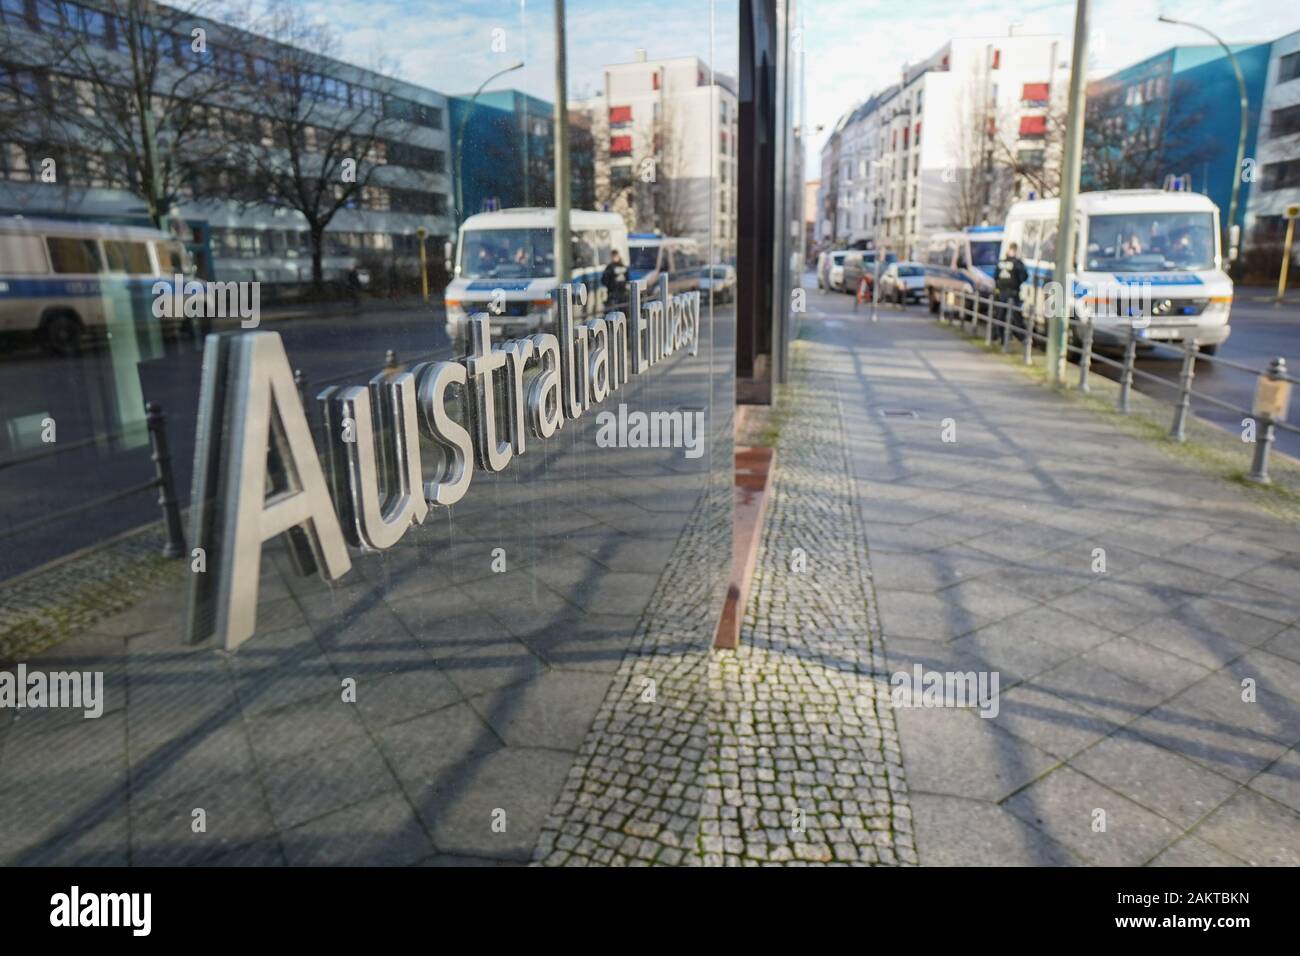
964	261
677	257
1146	258
67	282
504	265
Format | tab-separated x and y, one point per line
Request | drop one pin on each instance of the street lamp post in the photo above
563	252
1058	323
1241	136
460	135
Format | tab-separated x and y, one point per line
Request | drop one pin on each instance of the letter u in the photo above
386	405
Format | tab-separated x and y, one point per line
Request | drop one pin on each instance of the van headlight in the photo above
1218	308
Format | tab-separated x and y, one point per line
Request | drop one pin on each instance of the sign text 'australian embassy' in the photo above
479	412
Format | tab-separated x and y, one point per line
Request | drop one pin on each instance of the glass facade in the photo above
280	214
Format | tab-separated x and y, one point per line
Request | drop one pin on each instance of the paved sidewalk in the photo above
1124	734
783	751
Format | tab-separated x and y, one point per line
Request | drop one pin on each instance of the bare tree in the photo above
120	92
314	145
1038	164
979	186
1132	146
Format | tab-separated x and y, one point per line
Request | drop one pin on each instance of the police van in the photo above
654	255
67	282
964	261
504	265
1147	258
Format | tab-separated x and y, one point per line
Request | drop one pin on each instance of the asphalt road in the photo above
81	394
1261	331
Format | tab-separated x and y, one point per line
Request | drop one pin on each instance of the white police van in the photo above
654	255
964	261
1149	255
69	281
504	265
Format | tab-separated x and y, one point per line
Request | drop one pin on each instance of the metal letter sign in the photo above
242	497
257	474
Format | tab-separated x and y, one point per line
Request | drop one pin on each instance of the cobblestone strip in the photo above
633	795
40	609
783	751
805	764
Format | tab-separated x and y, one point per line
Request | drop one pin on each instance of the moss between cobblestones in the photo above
1208	447
42	610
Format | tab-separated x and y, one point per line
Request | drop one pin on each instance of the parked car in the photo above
830	271
903	282
721	281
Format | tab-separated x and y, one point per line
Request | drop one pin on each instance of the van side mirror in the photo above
446	256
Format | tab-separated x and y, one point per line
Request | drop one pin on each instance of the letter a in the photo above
247	404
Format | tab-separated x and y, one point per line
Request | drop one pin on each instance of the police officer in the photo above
1012	274
614	279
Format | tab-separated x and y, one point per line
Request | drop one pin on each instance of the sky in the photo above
448	45
851	47
843	66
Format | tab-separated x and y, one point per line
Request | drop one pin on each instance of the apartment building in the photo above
1277	152
217	205
664	149
963	134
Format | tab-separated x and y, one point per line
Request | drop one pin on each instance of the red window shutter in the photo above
918	131
997	59
906	136
1034	92
620	145
1033	125
656	79
620	114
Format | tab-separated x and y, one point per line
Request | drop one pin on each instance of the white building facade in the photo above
1277	150
964	133
665	151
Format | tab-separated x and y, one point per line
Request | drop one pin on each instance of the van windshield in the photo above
1151	242
508	254
985	253
644	258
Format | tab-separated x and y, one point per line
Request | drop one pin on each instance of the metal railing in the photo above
1014	319
163	480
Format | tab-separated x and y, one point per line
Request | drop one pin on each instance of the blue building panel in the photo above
1196	112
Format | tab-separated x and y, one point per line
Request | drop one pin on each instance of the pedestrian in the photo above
1012	274
614	279
354	286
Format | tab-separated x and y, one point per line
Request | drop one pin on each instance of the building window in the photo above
1286	121
1030	158
620	114
1284	175
620	145
1288	67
